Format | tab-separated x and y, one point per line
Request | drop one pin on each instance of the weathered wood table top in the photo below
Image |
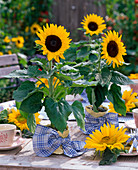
24	157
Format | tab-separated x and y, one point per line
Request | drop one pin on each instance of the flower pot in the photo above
94	120
47	141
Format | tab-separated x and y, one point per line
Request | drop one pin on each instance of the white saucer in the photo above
16	144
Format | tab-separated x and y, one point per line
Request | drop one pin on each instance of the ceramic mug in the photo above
7	134
135	115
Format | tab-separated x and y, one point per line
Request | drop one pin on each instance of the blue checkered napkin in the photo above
46	140
92	123
134	138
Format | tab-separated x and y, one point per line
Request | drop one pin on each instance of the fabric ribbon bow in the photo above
46	140
92	123
134	138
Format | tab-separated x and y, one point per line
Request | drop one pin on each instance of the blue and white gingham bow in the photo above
92	123
134	138
46	140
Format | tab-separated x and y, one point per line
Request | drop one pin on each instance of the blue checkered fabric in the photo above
92	123
46	140
134	139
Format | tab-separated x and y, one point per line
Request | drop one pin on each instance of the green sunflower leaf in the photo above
31	123
69	68
70	54
108	157
83	52
69	76
40	61
115	96
32	103
78	112
59	92
33	71
93	58
100	94
84	83
18	74
75	90
22	91
4	116
105	77
121	79
57	112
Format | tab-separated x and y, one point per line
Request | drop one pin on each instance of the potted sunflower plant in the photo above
97	58
53	77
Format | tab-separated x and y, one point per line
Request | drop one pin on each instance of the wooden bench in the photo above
8	63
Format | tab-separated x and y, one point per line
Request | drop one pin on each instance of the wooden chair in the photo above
8	63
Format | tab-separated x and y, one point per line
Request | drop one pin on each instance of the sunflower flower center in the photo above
108	140
53	43
34	28
92	26
21	119
112	49
105	139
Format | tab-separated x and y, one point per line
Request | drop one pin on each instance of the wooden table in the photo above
24	157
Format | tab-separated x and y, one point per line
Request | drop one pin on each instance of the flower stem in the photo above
99	61
50	80
90	39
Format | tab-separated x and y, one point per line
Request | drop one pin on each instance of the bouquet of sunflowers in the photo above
97	59
53	77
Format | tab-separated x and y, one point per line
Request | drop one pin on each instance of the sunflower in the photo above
93	24
1	53
113	49
6	39
34	28
129	98
54	41
45	81
9	52
21	122
133	76
109	136
19	42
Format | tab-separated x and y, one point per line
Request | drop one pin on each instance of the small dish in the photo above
14	145
134	153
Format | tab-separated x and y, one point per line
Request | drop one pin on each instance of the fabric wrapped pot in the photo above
94	120
47	141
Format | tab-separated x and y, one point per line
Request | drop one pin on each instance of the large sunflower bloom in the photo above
45	81
93	24
35	28
113	49
109	136
21	122
54	41
6	39
19	41
129	98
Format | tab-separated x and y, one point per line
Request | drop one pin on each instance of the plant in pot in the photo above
54	77
97	58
